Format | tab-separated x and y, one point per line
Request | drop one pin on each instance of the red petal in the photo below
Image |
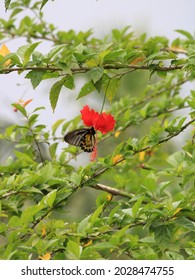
105	123
89	116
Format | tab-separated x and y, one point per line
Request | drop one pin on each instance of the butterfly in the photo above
83	138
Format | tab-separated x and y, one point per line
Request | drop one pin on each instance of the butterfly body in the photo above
83	138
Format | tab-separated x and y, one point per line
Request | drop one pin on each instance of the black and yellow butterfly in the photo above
83	138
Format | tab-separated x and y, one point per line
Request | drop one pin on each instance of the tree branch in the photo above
86	69
112	191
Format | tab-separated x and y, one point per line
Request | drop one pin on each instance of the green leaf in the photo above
52	150
3	228
36	76
84	226
56	125
29	51
112	88
97	213
14	58
53	52
96	73
7	3
43	3
185	33
28	214
119	234
20	108
24	157
55	91
26	51
186	223
76	178
32	120
47	172
163	233
74	250
50	198
161	74
114	55
86	89
136	206
69	82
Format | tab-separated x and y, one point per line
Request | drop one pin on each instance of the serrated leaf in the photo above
86	89
36	76
55	91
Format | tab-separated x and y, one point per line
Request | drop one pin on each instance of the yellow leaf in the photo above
45	257
109	197
117	133
116	159
88	243
138	59
43	231
91	63
177	211
4	51
142	155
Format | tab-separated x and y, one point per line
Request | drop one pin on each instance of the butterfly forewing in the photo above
83	138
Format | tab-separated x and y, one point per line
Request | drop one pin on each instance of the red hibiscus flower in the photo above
102	122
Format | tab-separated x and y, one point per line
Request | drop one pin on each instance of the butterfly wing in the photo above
83	138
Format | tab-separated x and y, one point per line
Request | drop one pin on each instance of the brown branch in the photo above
86	69
112	191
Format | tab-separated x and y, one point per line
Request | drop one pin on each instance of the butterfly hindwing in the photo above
83	138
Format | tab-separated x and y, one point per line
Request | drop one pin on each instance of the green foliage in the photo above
144	208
